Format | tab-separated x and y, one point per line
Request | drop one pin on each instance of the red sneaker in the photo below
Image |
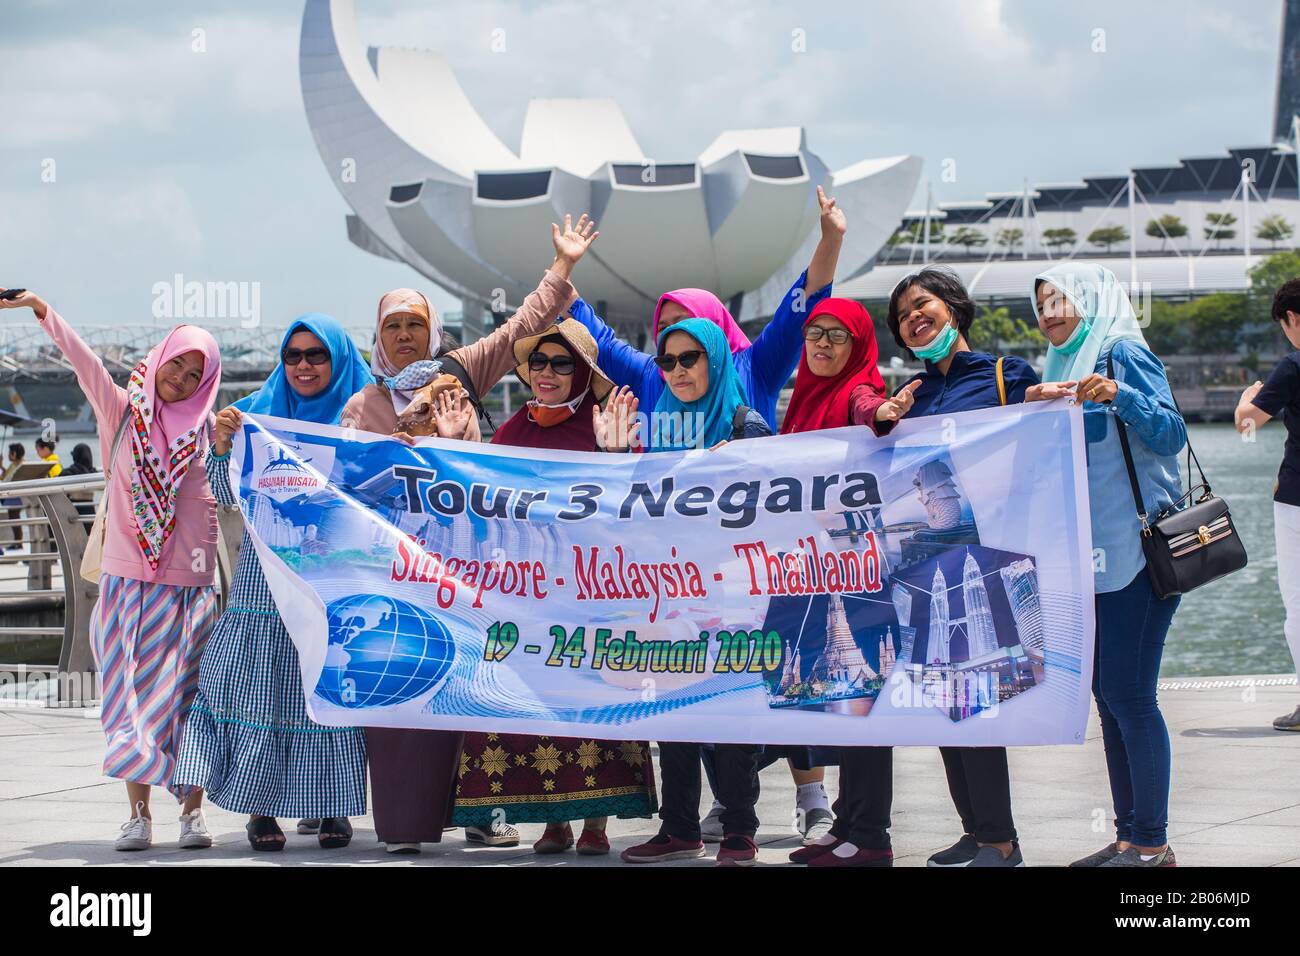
807	854
556	839
593	843
864	857
737	850
662	847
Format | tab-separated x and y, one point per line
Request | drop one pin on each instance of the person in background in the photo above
83	463
553	780
703	387
1260	403
157	603
1091	329
249	741
930	313
45	452
413	772
14	506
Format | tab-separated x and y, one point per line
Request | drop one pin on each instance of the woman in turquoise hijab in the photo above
248	740
1097	352
704	406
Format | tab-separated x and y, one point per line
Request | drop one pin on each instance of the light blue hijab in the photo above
717	407
349	375
1101	301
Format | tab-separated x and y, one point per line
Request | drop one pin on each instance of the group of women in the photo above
197	702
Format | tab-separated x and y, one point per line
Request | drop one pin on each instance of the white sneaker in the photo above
403	848
499	834
194	831
137	833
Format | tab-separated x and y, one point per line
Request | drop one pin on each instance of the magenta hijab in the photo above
166	437
702	304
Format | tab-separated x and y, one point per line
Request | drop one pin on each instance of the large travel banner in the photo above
932	587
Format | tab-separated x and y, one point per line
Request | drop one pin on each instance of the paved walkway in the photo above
1236	797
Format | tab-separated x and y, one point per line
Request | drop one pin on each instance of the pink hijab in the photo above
702	304
166	437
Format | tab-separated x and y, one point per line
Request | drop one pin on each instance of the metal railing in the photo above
54	536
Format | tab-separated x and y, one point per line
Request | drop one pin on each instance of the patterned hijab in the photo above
404	383
705	305
348	375
716	408
166	437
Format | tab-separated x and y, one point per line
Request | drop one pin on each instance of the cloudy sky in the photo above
169	160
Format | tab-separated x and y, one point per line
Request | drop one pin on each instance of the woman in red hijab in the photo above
839	384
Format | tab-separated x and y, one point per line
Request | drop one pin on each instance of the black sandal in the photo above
335	833
259	828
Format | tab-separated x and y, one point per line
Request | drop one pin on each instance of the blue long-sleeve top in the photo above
971	383
1156	433
764	367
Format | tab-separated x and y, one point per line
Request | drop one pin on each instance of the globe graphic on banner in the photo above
382	651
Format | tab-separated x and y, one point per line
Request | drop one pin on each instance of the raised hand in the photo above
452	413
834	222
896	408
227	423
26	300
571	242
617	426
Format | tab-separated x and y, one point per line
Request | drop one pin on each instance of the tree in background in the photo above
1166	227
1219	226
1055	238
1107	236
967	237
1010	238
1274	229
995	331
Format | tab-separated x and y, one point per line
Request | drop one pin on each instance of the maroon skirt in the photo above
412	782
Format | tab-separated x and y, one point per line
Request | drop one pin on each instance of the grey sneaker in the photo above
817	822
959	854
194	831
1131	857
309	826
499	834
992	856
711	826
137	833
1101	856
1290	722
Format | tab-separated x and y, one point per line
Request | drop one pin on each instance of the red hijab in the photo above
575	433
823	401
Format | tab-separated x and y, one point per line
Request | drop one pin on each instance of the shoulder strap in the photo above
453	367
117	441
1128	457
738	422
1002	383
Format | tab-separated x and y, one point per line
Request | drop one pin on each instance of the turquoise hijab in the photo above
1103	304
716	407
349	375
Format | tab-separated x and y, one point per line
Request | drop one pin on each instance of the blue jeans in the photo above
1131	628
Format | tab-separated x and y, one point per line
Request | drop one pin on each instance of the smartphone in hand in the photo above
11	293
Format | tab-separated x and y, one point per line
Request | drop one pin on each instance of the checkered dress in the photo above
248	740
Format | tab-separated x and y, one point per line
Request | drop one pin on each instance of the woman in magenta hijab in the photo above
156	600
766	364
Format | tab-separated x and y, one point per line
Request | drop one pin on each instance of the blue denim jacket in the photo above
1156	433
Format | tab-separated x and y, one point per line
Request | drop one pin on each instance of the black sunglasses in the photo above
815	333
687	358
560	364
314	356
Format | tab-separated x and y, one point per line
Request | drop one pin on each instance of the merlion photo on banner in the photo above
932	587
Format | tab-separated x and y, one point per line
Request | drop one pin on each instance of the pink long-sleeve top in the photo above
189	558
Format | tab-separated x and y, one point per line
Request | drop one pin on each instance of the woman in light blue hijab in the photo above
1097	353
248	740
698	407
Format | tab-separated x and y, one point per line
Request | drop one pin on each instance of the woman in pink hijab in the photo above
156	600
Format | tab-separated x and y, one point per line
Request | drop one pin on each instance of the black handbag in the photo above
1189	543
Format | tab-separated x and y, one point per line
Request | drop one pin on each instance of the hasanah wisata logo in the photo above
285	469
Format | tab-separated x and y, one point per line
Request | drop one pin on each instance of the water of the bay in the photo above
1233	626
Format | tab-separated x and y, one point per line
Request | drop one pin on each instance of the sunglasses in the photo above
314	356
560	364
815	333
687	358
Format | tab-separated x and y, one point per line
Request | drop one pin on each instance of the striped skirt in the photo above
148	639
